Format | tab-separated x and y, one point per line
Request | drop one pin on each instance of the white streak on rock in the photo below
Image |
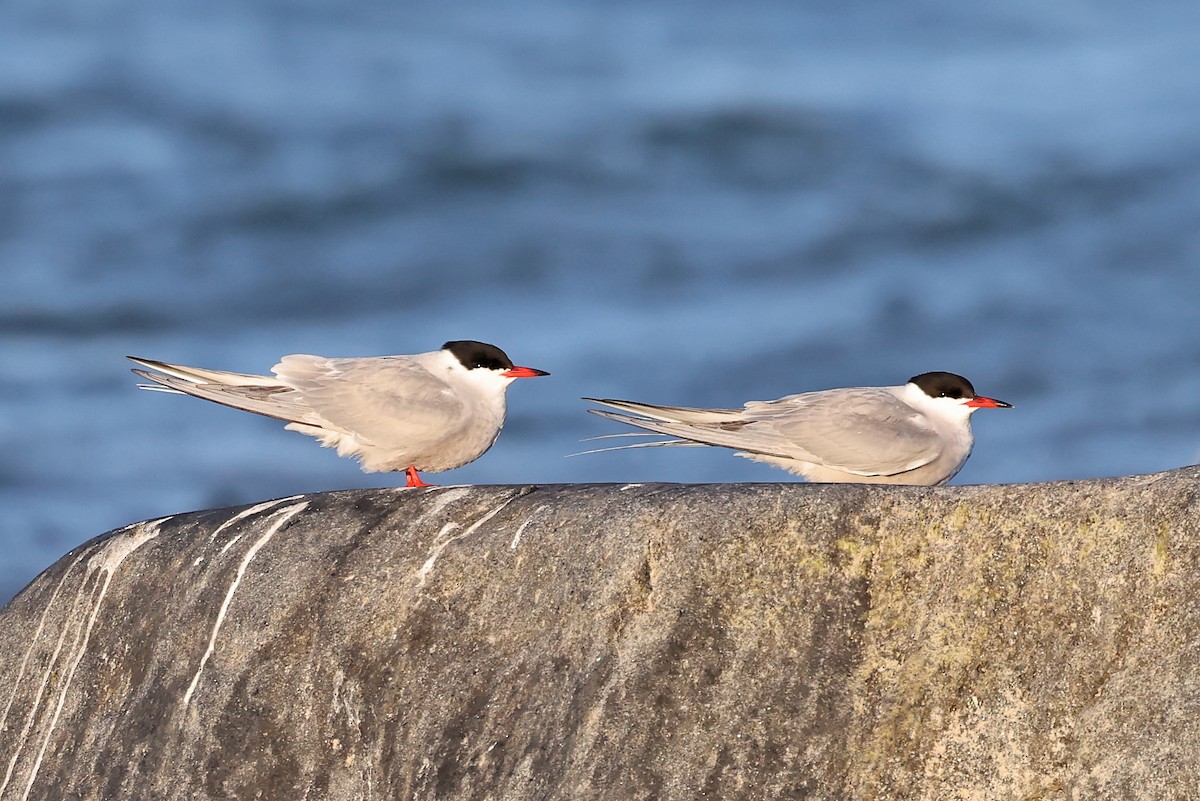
516	540
231	543
247	512
107	558
50	671
281	517
37	701
444	497
628	487
440	544
37	634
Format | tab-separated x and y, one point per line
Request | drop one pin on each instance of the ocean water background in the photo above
696	203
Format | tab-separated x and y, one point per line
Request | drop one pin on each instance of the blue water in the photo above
701	203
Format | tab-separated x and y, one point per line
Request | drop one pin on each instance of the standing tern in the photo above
918	433
429	411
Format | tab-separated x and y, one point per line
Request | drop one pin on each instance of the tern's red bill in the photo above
980	402
528	372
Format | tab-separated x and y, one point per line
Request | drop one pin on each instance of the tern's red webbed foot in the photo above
414	480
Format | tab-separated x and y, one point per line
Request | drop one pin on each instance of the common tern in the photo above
917	433
427	411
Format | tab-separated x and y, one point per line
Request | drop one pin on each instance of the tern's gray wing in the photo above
384	400
671	414
867	431
251	393
197	375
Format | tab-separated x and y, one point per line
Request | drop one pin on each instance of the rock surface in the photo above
609	642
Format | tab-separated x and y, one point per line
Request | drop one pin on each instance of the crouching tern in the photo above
427	411
918	433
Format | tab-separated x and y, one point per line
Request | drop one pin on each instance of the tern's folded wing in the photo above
867	431
198	375
381	400
278	401
671	414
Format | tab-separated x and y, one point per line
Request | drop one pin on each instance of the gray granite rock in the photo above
608	642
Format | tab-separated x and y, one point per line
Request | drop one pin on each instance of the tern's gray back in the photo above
863	430
381	400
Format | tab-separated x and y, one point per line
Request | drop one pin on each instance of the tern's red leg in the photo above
414	480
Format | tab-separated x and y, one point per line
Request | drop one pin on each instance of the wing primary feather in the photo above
701	433
669	414
615	436
247	399
160	388
658	444
198	375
